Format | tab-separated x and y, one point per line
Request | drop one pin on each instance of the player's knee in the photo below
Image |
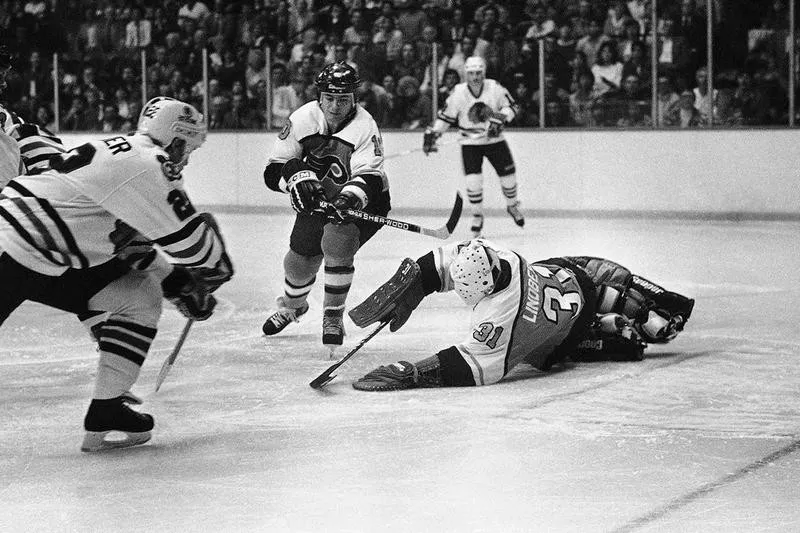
340	242
301	267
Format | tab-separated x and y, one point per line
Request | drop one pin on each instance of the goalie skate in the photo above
114	417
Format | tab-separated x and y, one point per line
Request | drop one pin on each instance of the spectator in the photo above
592	42
240	116
674	53
411	20
540	28
507	50
582	101
357	33
452	28
415	107
138	32
192	11
286	98
617	17
409	65
551	91
667	99
640	12
394	116
391	36
459	57
256	71
218	107
110	122
703	102
473	31
45	117
335	22
449	80
527	114
607	70
555	114
373	98
684	114
631	35
565	43
750	101
638	64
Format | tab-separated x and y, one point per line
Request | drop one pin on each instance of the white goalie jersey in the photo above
92	202
459	111
522	322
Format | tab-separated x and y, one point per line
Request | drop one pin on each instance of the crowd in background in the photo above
597	57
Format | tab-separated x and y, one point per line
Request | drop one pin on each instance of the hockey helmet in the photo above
338	78
165	119
475	64
475	271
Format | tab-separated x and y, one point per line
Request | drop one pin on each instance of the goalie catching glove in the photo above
305	189
185	289
395	300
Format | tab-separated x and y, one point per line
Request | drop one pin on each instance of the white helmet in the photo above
165	119
475	64
474	271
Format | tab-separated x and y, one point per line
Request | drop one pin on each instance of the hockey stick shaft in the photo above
169	361
440	233
324	378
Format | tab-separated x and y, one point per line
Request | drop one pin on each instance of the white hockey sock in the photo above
508	184
475	192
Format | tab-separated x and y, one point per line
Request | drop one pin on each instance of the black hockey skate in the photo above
282	317
333	329
516	214
106	416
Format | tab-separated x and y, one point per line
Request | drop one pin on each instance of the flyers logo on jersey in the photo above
287	128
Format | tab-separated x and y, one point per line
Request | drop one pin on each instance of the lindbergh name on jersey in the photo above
532	299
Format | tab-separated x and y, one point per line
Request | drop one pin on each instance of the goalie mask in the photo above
475	271
174	125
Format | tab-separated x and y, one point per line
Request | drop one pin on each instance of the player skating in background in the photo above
480	108
331	150
538	313
61	232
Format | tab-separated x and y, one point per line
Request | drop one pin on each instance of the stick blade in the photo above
321	380
455	214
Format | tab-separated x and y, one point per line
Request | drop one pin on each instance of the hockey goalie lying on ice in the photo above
541	313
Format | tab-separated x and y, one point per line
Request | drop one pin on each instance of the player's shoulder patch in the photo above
285	131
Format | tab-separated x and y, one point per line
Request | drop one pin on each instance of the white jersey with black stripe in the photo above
94	200
10	162
456	111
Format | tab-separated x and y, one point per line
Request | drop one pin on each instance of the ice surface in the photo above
704	435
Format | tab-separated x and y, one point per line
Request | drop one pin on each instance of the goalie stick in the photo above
169	361
326	377
440	233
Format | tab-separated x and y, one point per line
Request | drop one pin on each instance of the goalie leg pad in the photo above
396	298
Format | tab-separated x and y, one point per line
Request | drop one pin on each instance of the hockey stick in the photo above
326	377
169	361
440	233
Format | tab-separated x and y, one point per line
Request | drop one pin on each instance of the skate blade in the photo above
96	441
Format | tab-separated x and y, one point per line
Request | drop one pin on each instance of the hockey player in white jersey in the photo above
61	232
480	108
540	313
330	149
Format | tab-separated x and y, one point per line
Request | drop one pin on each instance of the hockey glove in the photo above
495	127
429	141
184	290
337	214
305	189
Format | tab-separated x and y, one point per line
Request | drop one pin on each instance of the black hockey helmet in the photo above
338	78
